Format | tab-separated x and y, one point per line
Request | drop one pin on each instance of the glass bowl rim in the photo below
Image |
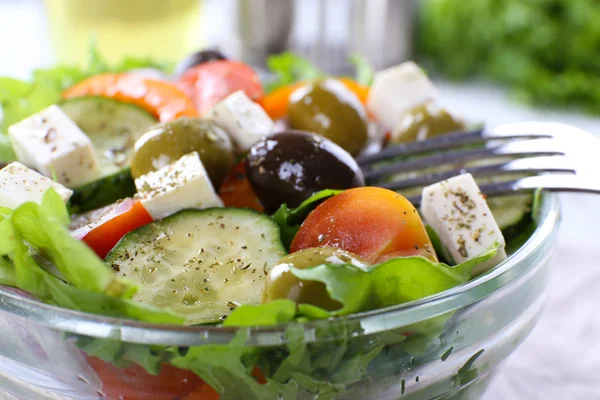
97	326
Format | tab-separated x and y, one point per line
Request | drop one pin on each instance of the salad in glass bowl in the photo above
209	235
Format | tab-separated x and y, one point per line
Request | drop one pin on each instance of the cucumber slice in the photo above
102	192
511	210
200	263
113	128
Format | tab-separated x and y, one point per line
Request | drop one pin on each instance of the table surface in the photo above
561	357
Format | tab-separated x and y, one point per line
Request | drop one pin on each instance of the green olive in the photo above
330	109
425	121
282	284
170	141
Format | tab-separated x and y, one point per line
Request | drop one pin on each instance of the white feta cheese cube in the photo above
245	121
19	184
396	90
181	185
459	213
53	144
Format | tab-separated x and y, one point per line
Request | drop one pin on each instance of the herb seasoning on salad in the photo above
214	216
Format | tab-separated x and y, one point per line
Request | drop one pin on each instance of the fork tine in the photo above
455	139
533	165
525	148
552	182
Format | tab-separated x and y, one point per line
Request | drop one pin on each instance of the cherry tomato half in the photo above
209	83
103	234
237	192
135	383
371	222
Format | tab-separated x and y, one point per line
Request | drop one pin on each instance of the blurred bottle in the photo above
326	32
165	30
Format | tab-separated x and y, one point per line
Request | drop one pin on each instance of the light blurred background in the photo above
494	61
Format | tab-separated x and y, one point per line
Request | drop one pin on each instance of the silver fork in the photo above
555	157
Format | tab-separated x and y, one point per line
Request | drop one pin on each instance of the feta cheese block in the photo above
397	89
181	185
19	184
51	143
245	121
459	213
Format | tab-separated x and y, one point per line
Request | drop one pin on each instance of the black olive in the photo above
290	166
198	58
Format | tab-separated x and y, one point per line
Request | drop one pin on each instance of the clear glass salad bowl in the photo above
447	346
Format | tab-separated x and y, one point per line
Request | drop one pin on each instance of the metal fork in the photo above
554	157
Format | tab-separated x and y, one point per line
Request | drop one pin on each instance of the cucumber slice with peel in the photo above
113	127
200	263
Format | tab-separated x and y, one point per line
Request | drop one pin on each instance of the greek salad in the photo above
214	197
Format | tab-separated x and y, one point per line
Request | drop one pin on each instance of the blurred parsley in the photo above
290	68
364	71
546	51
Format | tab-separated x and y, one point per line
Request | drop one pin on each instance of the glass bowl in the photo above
447	346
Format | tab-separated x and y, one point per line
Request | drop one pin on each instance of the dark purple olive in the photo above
290	166
198	58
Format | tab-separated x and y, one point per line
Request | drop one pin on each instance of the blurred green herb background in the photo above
546	51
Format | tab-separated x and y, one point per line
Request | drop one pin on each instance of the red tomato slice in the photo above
374	223
103	234
161	98
209	83
134	383
237	192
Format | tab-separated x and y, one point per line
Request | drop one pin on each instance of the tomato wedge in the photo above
237	192
103	234
209	83
135	383
162	99
361	91
276	103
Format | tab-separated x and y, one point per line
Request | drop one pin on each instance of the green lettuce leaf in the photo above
34	233
7	153
290	219
227	369
123	354
7	273
44	229
441	250
396	281
273	313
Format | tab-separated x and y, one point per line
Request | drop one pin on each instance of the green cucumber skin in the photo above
102	192
108	123
200	263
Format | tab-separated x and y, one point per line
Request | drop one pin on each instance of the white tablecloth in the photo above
561	358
